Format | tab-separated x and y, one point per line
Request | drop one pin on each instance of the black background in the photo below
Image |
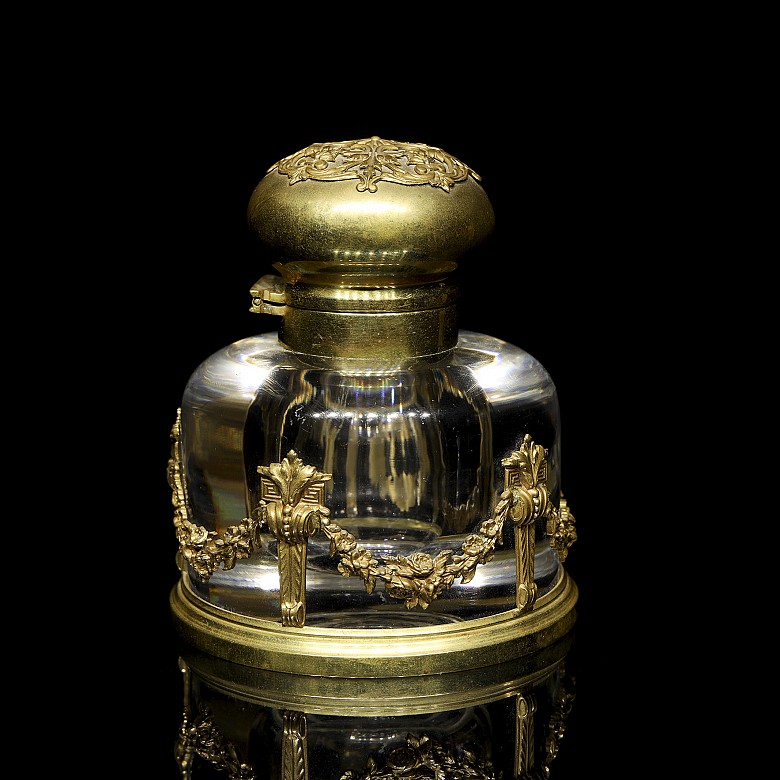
574	274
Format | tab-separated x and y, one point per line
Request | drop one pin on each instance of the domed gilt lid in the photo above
369	213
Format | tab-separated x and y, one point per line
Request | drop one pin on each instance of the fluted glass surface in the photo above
415	456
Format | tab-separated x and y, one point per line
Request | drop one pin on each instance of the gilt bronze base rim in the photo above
373	653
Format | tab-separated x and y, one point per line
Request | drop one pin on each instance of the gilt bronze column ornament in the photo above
295	752
292	504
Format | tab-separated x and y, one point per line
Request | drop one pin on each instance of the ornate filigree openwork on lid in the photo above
369	212
374	160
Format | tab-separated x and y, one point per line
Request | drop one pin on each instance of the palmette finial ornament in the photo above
368	476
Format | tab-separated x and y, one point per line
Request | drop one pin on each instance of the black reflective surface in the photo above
550	280
503	722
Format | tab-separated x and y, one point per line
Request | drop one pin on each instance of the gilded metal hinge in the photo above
268	296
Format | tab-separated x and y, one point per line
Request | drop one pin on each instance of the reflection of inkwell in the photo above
505	721
369	494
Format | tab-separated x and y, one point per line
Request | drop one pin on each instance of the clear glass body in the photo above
415	453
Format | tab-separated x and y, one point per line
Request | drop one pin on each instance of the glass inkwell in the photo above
368	492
